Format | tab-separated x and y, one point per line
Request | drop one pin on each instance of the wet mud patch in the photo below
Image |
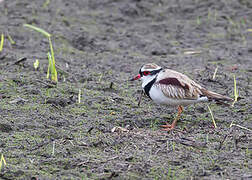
88	125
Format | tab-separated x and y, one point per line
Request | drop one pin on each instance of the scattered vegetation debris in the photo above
20	60
18	100
111	85
90	129
237	125
119	129
212	116
192	52
215	72
48	84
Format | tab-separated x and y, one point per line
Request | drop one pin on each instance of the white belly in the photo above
158	97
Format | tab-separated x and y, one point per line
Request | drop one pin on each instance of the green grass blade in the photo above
2	42
36	64
2	161
235	92
10	39
2	158
38	30
53	68
49	65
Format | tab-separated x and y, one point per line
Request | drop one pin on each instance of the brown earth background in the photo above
47	134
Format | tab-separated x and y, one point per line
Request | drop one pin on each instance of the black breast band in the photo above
148	87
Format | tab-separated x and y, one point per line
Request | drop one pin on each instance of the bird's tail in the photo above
212	96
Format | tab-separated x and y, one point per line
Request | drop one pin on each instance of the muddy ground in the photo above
47	134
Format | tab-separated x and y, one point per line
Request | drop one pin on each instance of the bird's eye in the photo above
146	73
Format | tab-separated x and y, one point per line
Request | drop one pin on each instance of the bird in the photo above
172	88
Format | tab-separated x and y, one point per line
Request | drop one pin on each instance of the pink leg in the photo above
169	127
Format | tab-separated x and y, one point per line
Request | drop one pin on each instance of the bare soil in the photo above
99	45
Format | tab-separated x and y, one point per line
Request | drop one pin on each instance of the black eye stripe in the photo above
151	72
140	72
156	71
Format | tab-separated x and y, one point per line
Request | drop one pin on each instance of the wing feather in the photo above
178	86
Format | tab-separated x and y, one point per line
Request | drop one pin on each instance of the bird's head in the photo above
147	72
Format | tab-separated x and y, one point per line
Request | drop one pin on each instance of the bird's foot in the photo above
167	127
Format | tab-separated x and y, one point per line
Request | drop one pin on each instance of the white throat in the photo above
147	79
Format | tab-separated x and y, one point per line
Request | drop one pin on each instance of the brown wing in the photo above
177	85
